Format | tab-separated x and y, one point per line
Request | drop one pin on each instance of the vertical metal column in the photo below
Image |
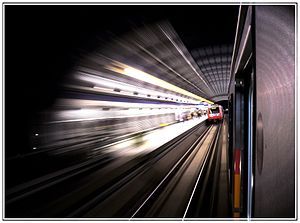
250	147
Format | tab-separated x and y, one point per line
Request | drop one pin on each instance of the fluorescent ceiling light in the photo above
108	84
140	75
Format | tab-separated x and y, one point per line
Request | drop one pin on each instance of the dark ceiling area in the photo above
46	41
207	25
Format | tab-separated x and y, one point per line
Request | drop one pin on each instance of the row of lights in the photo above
145	77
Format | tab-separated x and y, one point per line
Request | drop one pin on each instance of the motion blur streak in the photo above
125	133
120	111
121	90
100	104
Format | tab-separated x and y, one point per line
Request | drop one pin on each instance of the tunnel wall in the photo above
274	184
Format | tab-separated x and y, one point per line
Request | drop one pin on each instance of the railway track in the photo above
174	199
127	188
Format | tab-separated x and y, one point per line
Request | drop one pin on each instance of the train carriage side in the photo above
262	137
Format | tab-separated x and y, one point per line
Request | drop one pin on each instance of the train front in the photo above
215	114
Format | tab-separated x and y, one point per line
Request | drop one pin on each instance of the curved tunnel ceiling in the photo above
192	52
209	38
158	50
165	56
214	62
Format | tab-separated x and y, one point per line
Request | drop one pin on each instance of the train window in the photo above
214	110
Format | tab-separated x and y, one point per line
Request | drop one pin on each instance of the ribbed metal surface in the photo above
275	73
158	50
214	63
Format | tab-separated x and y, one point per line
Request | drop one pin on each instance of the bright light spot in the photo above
87	112
34	148
140	75
36	134
163	124
133	72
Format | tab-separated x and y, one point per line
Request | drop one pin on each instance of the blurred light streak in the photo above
108	85
80	103
182	54
140	75
129	88
153	139
166	65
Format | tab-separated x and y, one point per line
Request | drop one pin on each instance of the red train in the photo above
215	113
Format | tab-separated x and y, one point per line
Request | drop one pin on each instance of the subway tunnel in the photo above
150	112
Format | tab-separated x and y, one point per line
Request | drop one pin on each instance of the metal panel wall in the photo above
274	186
